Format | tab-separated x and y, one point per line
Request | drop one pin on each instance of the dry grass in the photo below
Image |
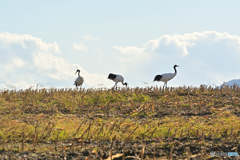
178	123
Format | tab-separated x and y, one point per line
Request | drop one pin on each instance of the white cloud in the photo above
15	63
182	43
18	62
178	44
129	50
20	84
52	66
98	50
27	42
89	37
79	47
132	55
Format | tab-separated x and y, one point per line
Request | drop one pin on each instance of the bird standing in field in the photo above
79	81
117	78
166	76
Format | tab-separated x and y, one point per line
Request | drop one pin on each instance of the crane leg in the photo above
165	85
114	86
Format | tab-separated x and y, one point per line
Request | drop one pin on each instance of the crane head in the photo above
77	71
175	66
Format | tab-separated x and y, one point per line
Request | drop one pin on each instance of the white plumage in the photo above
117	78
166	77
79	81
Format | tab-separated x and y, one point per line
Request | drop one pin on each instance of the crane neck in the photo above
78	74
175	70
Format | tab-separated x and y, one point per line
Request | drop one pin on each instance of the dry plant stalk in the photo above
123	157
110	154
171	153
188	153
138	109
169	131
201	153
23	138
91	123
112	128
135	152
142	152
128	137
56	142
48	134
152	132
101	130
79	128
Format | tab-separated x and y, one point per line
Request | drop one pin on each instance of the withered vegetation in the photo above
145	123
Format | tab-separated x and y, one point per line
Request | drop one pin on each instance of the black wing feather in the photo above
157	78
112	76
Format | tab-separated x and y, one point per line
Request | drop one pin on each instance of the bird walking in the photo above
117	78
79	81
166	76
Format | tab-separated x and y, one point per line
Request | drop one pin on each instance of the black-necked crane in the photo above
79	81
166	76
117	78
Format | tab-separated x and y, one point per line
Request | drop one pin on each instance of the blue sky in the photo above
44	42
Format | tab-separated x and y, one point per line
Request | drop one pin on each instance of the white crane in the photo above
79	81
116	78
166	76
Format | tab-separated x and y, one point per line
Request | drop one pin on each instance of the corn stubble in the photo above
136	123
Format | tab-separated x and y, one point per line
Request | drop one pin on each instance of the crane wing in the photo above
157	78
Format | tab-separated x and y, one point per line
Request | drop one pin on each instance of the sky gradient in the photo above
44	42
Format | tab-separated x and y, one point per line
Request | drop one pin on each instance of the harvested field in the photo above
137	123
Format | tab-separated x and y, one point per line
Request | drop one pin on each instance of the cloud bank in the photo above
28	42
27	61
197	53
